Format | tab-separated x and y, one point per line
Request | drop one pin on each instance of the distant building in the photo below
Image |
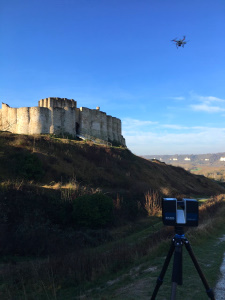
222	158
174	158
207	159
187	158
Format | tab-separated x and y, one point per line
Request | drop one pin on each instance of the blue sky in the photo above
118	54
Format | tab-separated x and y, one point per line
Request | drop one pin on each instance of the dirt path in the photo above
220	287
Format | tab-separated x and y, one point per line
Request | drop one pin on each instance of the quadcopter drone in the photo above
179	42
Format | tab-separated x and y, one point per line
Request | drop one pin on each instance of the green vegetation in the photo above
93	211
74	214
139	281
39	222
126	262
195	169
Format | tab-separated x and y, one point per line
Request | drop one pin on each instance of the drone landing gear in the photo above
176	246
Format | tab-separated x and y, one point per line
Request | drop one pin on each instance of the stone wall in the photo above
59	116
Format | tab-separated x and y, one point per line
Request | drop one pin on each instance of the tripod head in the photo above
179	230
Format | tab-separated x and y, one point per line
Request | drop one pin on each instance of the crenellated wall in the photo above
57	102
59	116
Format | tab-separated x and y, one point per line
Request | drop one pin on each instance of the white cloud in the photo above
196	139
205	99
210	99
184	143
207	108
173	126
181	98
130	123
206	103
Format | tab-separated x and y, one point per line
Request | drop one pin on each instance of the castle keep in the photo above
61	116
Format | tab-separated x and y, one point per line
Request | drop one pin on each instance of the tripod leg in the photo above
173	291
163	272
177	268
209	291
177	263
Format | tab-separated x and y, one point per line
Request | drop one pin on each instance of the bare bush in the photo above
152	202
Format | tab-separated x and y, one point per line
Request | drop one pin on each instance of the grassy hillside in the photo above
72	212
49	162
53	190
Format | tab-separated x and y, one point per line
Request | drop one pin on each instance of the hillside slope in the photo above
46	160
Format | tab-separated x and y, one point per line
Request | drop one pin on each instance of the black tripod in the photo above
176	246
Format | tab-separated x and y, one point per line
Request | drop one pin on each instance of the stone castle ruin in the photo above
60	116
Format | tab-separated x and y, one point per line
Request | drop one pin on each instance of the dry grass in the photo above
153	202
209	208
16	184
72	189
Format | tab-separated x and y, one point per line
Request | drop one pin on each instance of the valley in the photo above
210	165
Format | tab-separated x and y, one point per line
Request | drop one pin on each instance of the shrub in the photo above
93	211
26	165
